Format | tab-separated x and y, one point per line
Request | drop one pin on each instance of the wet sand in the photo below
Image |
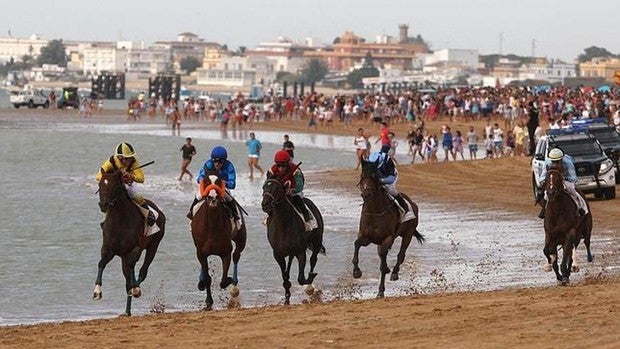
584	314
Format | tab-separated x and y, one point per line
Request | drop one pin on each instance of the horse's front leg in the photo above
383	250
551	253
226	280
151	250
301	266
106	257
204	282
567	255
128	266
406	239
359	242
285	276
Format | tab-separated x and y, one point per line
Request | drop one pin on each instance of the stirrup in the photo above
150	219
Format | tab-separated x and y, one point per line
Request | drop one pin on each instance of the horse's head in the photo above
554	183
111	188
369	179
273	193
212	188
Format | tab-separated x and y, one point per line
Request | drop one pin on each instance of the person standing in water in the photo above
188	151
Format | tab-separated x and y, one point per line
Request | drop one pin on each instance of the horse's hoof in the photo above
565	281
311	277
394	277
97	295
136	292
590	258
287	301
548	267
125	315
380	295
309	289
208	307
234	291
357	273
201	286
226	282
575	269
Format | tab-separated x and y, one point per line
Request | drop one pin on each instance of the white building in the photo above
463	59
554	72
98	60
16	48
147	62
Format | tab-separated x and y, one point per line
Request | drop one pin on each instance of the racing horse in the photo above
213	233
380	224
563	227
123	235
287	235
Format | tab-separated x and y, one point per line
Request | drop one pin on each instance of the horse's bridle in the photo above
274	202
367	194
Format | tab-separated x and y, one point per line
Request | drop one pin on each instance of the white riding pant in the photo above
578	199
391	189
132	191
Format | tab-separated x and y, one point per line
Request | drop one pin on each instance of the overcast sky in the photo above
561	29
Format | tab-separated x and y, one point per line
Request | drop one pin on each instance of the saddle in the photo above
149	230
404	216
235	224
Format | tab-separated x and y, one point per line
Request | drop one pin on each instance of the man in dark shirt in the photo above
532	124
188	151
288	146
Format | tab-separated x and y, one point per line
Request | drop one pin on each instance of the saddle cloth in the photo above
236	225
148	231
404	217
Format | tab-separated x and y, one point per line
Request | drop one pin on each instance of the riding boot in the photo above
150	219
582	212
543	205
402	202
301	206
232	209
190	215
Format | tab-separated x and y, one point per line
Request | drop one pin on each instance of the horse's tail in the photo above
419	236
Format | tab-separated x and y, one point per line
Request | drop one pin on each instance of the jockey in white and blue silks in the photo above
388	175
219	162
570	178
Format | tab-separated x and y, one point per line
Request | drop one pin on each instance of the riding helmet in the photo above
556	154
219	152
125	150
282	156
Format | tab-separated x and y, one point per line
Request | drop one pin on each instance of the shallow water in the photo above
51	236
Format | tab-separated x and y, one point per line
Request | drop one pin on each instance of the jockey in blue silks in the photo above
388	175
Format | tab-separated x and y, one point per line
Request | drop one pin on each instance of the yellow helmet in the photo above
125	150
556	154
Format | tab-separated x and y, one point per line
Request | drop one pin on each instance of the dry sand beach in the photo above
584	314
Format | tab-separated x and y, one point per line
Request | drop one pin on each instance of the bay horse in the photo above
213	235
123	235
563	227
380	224
287	235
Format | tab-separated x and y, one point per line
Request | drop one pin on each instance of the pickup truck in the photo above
29	98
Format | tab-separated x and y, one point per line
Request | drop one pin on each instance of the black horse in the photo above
288	236
563	227
380	224
123	235
212	231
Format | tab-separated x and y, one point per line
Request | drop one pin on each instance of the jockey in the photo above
124	160
291	177
388	175
570	178
219	161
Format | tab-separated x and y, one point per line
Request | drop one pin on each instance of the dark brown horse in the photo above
563	227
380	224
123	235
212	231
288	237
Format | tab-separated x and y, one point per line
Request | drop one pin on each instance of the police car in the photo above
594	168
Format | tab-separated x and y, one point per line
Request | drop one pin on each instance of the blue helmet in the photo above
219	152
375	156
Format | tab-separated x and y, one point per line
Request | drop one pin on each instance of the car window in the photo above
579	148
